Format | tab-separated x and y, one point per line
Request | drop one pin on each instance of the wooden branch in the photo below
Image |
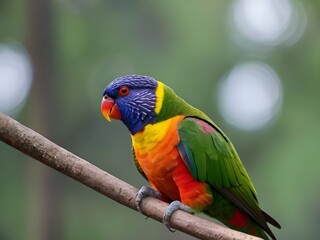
50	154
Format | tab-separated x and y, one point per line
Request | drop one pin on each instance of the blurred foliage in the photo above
185	44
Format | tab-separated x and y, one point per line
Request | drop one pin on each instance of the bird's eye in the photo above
123	91
105	96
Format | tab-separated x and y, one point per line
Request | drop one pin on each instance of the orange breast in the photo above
157	153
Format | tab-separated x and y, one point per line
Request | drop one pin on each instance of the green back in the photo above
211	157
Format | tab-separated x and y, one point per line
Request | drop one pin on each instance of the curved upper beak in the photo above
106	107
110	109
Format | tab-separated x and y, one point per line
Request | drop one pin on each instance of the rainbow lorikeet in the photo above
187	159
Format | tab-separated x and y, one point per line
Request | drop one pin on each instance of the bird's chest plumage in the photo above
156	151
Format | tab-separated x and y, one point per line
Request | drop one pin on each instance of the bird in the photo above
188	160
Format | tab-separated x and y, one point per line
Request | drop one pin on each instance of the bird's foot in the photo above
174	206
146	192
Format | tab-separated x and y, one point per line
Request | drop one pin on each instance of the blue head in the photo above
131	99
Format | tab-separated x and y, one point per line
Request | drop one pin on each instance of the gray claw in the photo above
145	192
174	206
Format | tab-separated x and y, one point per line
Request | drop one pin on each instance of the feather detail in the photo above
158	159
211	158
159	95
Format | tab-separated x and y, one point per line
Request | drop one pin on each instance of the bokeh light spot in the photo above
15	77
267	22
250	95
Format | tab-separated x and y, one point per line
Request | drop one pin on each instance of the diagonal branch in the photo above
52	155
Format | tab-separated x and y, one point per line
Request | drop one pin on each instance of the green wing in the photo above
211	158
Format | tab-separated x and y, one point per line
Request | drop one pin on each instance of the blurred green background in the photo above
253	66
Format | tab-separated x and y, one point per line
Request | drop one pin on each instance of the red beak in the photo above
110	109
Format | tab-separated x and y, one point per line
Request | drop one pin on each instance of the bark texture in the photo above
54	156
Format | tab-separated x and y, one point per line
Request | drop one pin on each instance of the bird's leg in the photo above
174	206
146	192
